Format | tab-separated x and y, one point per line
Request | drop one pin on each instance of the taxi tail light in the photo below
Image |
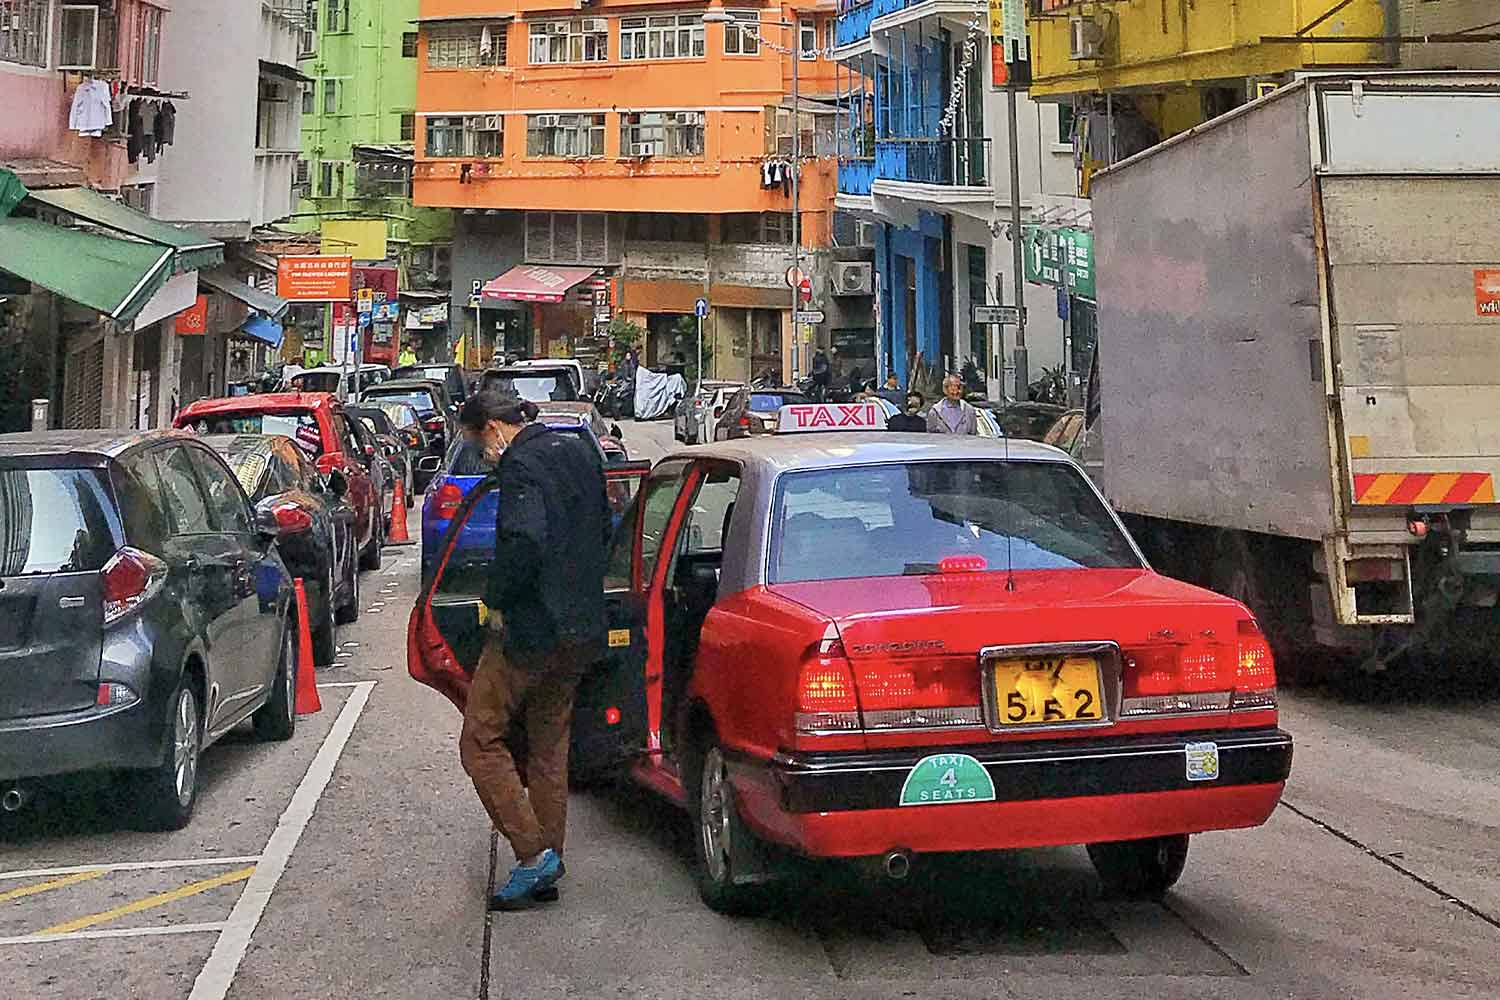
328	462
1178	678
826	698
1255	670
918	693
449	498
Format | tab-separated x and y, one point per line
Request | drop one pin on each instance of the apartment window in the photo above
829	35
565	135
466	46
408	128
466	135
742	39
303	176
758	227
330	97
580	39
1065	124
309	98
807	39
661	133
382	180
80	37
567	237
148	44
666	227
408	45
309	34
817	135
661	37
325	179
338	16
23	31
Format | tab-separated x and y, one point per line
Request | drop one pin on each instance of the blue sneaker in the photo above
525	883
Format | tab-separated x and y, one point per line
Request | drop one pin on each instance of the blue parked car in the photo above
464	467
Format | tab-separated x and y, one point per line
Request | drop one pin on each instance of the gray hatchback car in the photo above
146	613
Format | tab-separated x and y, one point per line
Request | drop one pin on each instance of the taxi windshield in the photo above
905	520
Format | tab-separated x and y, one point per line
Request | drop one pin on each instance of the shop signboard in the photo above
194	321
1061	257
314	278
1010	54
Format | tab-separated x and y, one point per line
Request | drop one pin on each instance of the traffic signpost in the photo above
700	309
997	315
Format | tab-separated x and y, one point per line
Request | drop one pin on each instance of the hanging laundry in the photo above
134	131
166	124
91	113
486	43
148	130
765	174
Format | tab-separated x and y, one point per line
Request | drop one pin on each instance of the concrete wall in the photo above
1427	17
484	247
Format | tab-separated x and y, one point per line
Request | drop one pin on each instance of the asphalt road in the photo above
354	861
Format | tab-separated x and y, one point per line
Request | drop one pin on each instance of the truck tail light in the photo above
449	498
933	693
1206	676
826	698
129	579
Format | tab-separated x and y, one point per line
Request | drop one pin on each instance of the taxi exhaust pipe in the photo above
14	798
896	864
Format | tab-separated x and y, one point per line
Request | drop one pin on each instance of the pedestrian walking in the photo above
910	419
544	614
953	414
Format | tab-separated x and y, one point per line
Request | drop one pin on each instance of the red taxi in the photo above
882	645
316	421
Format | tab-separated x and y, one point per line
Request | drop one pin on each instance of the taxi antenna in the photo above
1010	562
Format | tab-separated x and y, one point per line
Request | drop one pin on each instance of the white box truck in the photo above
1299	359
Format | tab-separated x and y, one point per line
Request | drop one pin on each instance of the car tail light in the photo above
412	438
963	564
327	463
128	580
744	420
112	695
826	699
291	519
1206	676
449	498
433	423
918	693
1255	672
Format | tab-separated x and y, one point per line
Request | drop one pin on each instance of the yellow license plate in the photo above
1044	691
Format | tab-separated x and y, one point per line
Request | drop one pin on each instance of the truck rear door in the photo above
57	530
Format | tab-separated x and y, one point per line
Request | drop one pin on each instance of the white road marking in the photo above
119	932
223	963
134	866
343	684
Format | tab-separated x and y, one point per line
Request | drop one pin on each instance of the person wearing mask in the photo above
543	610
952	414
909	419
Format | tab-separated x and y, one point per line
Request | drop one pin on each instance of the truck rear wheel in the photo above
1273	584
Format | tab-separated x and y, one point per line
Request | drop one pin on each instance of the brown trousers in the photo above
531	815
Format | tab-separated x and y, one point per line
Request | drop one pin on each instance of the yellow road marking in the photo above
1380	491
150	902
57	883
1437	487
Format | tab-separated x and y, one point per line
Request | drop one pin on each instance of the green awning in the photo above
273	306
114	277
12	192
193	250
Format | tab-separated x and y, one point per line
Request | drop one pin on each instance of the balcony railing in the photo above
856	176
955	162
854	23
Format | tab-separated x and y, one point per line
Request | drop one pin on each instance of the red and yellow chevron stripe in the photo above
1424	488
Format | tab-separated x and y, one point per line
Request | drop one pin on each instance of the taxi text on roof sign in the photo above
798	418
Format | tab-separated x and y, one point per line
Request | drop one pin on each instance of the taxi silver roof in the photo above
837	449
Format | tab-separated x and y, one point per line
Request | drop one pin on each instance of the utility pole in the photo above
796	284
1023	378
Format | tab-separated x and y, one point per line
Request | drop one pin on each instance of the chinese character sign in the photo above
314	278
1062	258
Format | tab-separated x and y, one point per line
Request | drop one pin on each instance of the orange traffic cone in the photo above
307	675
399	534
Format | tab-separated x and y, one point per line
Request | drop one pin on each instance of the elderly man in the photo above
952	414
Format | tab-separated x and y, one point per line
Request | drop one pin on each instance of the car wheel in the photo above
348	612
324	639
277	718
719	835
371	557
166	793
1140	869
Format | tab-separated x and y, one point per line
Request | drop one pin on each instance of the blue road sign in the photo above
701	308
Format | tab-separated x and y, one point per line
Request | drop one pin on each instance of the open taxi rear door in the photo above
445	636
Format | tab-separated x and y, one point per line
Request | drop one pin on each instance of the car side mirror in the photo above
266	524
429	463
616	433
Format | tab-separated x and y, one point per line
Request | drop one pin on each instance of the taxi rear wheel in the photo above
719	836
1140	868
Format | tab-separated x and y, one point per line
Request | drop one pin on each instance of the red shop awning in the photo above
534	283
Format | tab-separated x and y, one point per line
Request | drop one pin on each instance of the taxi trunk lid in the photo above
914	642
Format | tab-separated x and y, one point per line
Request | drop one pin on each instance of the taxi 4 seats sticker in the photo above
947	777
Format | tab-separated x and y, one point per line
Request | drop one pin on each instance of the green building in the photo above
358	123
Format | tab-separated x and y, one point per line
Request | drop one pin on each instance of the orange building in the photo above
625	158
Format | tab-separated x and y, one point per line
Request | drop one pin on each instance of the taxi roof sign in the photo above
800	418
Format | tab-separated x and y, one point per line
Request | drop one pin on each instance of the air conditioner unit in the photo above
865	233
494	123
594	24
690	117
546	121
853	278
1085	38
557	28
643	149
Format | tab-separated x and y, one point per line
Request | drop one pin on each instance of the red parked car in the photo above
316	421
882	646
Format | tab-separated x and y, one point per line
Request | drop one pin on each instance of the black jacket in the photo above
907	422
551	541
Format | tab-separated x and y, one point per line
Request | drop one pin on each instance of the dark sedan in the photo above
430	399
315	524
391	444
147	613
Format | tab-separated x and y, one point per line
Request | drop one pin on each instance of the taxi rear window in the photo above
300	427
905	520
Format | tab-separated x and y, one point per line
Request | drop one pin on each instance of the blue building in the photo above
920	138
